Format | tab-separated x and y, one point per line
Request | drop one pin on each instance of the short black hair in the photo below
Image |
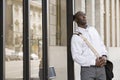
76	15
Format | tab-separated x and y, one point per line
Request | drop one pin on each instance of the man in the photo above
92	68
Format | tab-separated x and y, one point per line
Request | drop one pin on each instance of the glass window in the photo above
14	37
57	38
35	39
13	40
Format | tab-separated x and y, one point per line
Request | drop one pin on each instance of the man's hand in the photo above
97	62
101	61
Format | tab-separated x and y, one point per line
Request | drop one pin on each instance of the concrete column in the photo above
107	24
99	17
113	22
90	12
117	22
79	5
63	23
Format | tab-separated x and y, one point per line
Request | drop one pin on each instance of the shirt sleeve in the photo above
76	50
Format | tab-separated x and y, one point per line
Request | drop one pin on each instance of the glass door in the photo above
35	28
57	39
13	40
21	40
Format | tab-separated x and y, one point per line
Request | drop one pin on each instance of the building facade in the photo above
104	15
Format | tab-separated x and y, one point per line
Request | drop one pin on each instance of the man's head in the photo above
80	18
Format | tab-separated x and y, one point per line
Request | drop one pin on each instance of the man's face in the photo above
81	18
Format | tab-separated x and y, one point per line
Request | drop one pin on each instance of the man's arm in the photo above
76	49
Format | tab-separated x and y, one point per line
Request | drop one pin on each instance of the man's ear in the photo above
76	20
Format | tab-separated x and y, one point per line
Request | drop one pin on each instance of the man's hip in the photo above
93	73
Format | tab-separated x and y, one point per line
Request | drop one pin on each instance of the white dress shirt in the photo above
81	53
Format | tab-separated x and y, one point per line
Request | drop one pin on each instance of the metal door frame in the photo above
26	61
2	39
70	63
26	40
26	58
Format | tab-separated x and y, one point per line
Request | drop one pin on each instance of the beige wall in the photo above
58	59
114	56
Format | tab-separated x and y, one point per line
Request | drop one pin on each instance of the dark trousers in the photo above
93	73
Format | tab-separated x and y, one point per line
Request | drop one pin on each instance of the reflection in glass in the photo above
14	37
35	38
57	42
13	40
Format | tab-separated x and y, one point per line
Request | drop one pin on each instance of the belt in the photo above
89	66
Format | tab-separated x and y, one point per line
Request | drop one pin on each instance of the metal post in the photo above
70	64
26	51
2	39
44	40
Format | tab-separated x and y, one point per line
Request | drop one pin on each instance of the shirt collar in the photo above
82	30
